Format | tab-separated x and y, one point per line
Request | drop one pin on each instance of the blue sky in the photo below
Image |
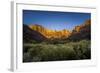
55	20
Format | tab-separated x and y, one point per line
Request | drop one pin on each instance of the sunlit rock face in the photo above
83	26
82	31
50	33
78	32
29	35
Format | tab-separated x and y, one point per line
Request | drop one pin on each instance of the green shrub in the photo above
54	52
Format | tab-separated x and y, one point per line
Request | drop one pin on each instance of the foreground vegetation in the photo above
55	52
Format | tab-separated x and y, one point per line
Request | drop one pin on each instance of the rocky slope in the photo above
50	33
30	35
81	32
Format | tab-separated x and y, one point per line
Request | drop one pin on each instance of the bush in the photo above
54	52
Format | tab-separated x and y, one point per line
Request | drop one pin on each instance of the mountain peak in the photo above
82	31
50	33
